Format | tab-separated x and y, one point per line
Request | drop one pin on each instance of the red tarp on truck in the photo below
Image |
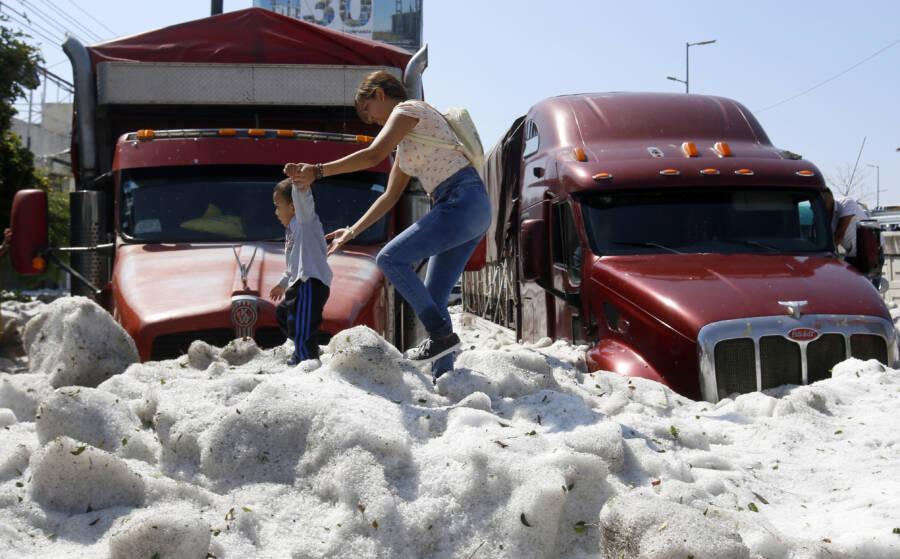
251	36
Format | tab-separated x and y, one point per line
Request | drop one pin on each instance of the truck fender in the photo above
28	221
613	355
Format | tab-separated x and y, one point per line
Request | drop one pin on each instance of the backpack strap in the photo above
437	142
432	141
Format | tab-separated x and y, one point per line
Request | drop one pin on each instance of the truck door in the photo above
566	272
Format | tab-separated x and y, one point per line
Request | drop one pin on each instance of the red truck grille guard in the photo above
744	355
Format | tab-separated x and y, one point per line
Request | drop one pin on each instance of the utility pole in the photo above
687	64
877	184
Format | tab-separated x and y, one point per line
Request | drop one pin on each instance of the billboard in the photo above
397	22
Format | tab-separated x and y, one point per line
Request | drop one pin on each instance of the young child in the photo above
307	276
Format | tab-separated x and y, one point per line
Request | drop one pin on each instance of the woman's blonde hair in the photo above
391	86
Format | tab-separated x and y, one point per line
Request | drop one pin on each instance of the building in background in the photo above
396	22
49	140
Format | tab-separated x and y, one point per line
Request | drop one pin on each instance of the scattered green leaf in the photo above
674	431
524	520
245	509
579	526
752	506
78	451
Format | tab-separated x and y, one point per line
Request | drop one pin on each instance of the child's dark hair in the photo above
283	188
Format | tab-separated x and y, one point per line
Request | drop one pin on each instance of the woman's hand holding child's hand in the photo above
302	175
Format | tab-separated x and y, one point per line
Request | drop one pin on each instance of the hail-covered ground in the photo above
518	453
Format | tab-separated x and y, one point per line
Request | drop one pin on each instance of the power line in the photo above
834	77
114	34
26	24
52	24
88	33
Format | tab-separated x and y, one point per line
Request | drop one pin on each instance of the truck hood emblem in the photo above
244	314
793	307
803	334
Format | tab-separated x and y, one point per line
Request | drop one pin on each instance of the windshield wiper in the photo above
751	243
647	244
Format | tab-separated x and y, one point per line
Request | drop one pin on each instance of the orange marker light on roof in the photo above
38	263
748	172
602	176
285	133
579	155
145	134
722	149
670	172
256	132
360	139
709	171
806	173
689	149
227	132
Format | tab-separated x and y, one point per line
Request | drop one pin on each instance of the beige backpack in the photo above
467	140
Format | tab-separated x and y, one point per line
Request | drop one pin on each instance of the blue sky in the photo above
820	76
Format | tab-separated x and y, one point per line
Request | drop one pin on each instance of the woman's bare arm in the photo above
396	127
397	182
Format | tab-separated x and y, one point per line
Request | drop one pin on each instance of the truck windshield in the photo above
178	204
697	221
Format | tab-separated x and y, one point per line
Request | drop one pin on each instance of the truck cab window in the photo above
532	139
187	204
566	246
702	220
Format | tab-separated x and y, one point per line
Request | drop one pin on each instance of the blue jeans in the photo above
447	235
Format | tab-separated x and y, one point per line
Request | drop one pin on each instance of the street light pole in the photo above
877	184
687	64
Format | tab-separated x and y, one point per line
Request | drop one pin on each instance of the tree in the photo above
19	62
846	182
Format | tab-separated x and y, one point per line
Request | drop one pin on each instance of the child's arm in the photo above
304	204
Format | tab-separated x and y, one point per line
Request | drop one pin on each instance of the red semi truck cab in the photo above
670	235
177	147
198	246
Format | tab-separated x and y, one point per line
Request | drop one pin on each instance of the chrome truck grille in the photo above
744	355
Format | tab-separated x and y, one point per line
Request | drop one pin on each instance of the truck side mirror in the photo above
869	254
28	221
533	247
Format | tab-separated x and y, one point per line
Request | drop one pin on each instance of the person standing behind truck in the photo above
846	213
307	276
447	235
4	248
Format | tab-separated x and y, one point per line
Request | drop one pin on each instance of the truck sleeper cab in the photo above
177	146
667	233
